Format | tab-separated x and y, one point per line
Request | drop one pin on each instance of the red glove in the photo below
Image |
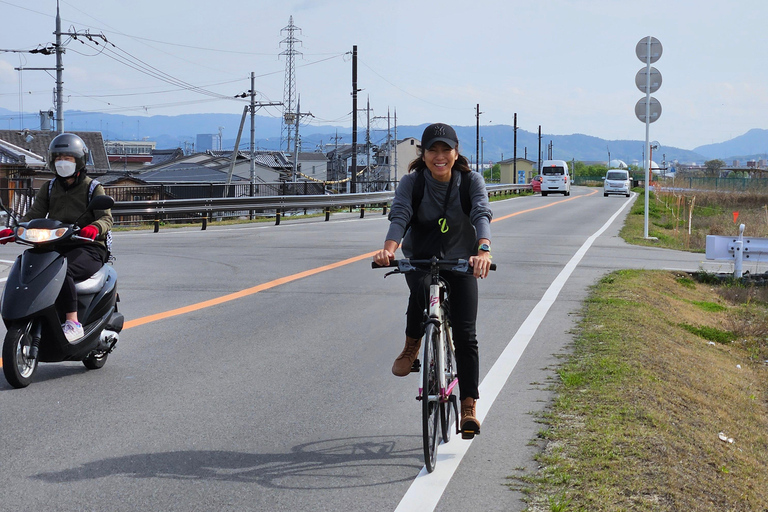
6	236
89	231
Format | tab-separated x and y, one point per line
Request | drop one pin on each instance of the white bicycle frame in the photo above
436	312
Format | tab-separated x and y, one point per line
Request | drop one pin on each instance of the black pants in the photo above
462	313
82	263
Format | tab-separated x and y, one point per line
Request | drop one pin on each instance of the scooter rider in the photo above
68	199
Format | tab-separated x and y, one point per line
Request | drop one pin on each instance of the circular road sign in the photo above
641	50
641	79
654	112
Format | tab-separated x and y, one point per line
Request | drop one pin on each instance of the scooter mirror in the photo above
103	202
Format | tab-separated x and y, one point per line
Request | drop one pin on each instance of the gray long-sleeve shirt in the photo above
463	232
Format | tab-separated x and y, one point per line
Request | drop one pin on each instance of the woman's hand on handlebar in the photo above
387	254
480	264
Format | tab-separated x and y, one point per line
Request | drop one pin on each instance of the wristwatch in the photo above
484	247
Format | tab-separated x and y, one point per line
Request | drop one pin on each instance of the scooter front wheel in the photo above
95	361
18	366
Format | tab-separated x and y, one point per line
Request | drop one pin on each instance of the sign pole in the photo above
647	132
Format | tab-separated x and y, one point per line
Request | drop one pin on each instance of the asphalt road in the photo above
281	397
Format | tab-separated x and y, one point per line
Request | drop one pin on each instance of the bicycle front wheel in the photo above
430	397
448	416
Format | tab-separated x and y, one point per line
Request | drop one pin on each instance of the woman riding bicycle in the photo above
451	221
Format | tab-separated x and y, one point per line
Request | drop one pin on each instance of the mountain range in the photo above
178	131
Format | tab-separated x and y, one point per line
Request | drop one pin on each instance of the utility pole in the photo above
395	148
514	152
296	141
355	90
539	164
252	108
477	141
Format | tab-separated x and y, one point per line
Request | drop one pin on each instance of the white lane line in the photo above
426	490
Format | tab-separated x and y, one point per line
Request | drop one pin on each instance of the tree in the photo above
712	168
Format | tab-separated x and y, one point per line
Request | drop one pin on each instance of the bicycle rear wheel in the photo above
430	397
448	410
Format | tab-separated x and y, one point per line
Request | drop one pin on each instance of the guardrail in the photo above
737	249
203	209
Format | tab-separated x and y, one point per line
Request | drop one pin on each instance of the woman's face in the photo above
440	159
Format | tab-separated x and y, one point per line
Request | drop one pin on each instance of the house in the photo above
312	166
129	155
214	167
160	156
17	169
526	169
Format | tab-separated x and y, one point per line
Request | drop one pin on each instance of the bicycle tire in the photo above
430	405
448	410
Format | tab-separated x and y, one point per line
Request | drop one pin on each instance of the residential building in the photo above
526	169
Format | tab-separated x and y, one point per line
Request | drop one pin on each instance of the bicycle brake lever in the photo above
390	273
463	266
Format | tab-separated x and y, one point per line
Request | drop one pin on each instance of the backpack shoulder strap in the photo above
50	188
417	193
91	188
466	202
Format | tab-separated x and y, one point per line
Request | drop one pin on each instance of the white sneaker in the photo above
73	331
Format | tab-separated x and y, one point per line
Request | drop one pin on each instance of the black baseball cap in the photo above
439	132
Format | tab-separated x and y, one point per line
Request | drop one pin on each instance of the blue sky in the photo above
568	66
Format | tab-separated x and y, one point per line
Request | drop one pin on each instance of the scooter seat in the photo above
94	283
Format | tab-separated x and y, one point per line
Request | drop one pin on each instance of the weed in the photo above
710	333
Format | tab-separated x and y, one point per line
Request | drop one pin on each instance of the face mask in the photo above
65	168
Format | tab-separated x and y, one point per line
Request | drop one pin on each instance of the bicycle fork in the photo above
435	315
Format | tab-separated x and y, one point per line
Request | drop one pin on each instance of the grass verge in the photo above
645	398
662	404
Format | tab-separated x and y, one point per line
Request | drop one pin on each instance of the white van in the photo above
555	177
617	181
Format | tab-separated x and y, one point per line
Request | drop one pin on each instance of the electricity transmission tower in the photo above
289	93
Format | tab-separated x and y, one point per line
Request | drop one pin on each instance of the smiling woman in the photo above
441	210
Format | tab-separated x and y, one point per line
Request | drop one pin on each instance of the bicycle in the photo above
437	372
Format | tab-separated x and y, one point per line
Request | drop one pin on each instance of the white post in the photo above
738	253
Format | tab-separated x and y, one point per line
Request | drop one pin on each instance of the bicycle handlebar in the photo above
408	265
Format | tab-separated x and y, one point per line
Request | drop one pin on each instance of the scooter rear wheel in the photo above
18	367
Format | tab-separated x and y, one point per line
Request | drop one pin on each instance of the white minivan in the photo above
555	177
617	181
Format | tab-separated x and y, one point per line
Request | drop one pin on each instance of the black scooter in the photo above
28	306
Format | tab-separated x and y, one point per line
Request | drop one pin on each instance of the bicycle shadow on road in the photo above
331	464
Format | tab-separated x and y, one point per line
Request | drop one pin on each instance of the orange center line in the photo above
242	293
542	207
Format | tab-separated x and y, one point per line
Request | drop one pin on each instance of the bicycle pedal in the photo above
416	366
469	434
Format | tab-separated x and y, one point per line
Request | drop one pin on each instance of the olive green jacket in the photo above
67	205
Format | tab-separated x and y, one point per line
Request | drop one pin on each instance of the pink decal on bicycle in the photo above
432	300
450	387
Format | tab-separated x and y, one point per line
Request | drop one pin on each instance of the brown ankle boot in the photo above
470	425
404	361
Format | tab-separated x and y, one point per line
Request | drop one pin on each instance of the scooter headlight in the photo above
37	235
